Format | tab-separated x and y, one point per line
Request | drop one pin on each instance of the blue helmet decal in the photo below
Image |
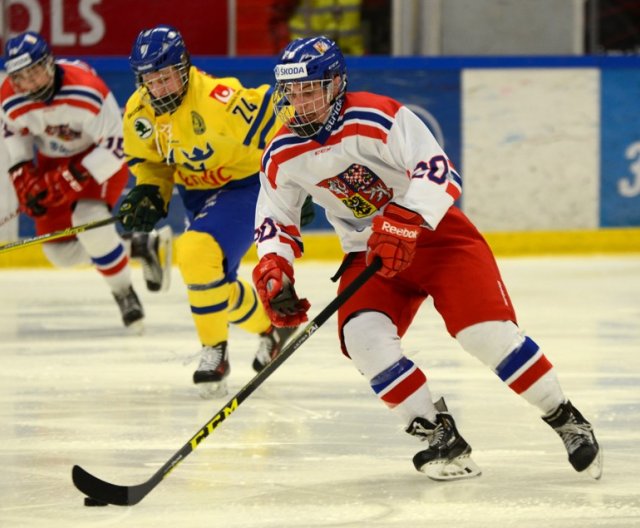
310	59
24	50
157	48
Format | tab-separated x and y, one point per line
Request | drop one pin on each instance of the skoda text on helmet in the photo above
161	49
306	89
29	63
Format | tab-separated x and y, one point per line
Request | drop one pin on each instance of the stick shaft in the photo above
130	495
69	231
10	217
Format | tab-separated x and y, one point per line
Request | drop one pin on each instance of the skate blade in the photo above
211	390
462	467
595	469
135	328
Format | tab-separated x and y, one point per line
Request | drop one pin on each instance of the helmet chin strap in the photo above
308	129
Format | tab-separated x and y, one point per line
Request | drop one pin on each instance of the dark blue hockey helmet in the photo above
24	54
311	59
154	50
315	61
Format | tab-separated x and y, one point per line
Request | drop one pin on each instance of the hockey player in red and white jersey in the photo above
389	189
63	132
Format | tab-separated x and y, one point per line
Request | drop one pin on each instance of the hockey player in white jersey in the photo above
389	190
68	115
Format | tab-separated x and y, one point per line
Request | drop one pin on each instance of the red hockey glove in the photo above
26	182
273	277
394	238
64	183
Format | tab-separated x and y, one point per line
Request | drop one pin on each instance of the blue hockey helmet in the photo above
154	50
311	62
24	55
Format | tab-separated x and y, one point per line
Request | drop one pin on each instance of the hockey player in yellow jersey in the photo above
205	135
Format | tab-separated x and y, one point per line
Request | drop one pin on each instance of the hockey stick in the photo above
69	231
106	492
10	217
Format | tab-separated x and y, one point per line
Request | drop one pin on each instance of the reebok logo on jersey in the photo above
387	227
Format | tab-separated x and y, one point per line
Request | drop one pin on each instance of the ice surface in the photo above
312	447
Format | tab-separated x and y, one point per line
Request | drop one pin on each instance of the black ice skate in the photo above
154	251
577	435
449	455
130	308
210	376
271	343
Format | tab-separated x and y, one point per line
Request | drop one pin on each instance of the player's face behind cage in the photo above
164	89
305	106
36	81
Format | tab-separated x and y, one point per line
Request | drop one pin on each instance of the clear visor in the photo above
37	80
164	89
304	106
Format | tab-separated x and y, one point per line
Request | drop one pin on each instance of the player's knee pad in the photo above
372	342
492	341
87	211
66	254
200	258
99	243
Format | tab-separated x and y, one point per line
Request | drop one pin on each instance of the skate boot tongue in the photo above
210	376
448	456
578	438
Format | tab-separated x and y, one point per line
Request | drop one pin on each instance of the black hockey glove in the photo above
308	212
142	208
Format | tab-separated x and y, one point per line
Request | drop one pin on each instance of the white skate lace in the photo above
574	435
211	358
431	436
126	301
265	347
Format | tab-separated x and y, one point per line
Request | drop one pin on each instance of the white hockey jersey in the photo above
375	152
82	113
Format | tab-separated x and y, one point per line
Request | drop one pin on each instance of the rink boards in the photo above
548	148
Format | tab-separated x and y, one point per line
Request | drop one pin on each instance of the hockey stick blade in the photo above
104	491
99	489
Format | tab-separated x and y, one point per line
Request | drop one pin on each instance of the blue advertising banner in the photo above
620	148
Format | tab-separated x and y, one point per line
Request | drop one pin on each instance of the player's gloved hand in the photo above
64	183
142	208
26	182
394	238
273	277
308	212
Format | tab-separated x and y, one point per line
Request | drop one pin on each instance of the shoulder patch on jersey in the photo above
222	93
143	127
198	124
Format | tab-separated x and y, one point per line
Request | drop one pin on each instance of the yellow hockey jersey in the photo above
215	138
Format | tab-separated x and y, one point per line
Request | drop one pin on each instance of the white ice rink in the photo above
312	447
